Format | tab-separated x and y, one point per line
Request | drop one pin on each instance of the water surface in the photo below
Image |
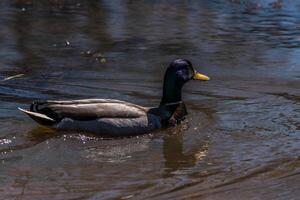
242	136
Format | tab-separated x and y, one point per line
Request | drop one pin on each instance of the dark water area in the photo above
241	139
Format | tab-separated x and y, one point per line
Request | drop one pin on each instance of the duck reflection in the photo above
174	152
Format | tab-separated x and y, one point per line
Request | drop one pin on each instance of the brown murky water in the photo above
242	136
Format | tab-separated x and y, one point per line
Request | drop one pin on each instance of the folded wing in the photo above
86	109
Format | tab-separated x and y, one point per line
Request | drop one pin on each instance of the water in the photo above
242	136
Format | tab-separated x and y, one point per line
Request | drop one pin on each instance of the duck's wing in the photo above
83	110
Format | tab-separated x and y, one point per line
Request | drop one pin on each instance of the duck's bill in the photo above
198	76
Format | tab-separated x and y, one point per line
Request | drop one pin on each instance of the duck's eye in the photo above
182	74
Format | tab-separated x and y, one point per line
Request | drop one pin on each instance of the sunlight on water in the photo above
5	141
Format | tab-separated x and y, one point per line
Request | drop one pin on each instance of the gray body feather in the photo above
113	126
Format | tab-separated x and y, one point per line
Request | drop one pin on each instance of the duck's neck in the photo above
171	93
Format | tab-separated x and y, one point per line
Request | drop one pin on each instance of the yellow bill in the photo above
198	76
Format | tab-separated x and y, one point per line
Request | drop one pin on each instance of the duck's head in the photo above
178	73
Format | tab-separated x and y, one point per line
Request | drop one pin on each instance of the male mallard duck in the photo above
119	118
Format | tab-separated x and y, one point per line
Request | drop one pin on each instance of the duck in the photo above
113	117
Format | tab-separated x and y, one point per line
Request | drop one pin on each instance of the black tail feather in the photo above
34	107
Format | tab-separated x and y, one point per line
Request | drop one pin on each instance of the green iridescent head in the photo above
178	73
